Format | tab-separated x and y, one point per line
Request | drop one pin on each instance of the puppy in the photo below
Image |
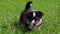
31	18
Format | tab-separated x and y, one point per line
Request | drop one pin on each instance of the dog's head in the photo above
34	18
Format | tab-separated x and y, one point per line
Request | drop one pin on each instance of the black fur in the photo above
27	14
28	5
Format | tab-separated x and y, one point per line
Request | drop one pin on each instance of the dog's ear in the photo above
40	13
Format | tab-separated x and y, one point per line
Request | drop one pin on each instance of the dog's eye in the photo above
36	17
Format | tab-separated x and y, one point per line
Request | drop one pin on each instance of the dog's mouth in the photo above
35	24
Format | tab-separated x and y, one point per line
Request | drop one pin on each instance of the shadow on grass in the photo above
23	29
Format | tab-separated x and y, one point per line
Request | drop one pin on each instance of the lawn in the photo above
10	11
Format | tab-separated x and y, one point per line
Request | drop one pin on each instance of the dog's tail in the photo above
28	5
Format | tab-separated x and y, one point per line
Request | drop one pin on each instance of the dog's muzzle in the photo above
33	23
36	23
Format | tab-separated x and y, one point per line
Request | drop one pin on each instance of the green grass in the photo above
10	11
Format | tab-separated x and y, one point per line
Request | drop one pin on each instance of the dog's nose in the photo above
34	24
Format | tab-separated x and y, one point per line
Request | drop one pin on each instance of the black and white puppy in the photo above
31	18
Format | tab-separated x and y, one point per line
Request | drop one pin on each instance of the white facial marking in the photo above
33	21
34	14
